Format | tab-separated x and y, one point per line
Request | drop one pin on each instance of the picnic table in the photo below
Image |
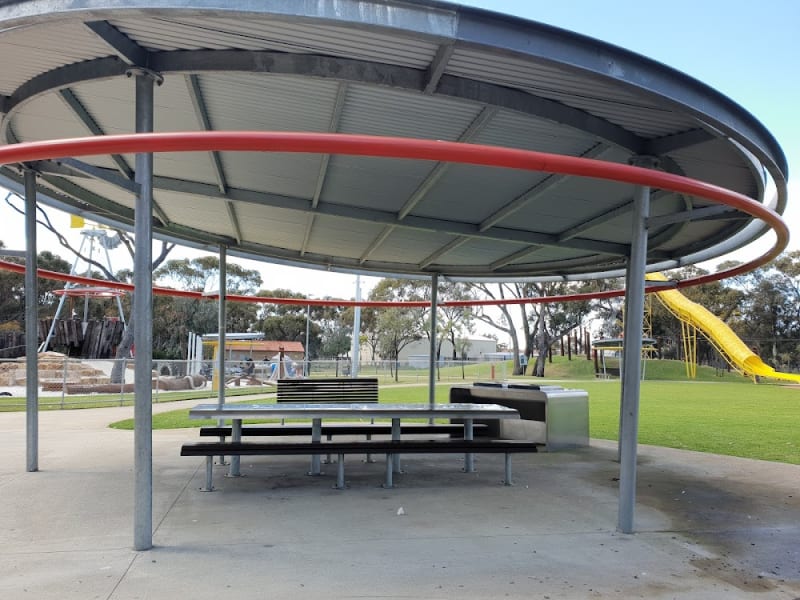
316	412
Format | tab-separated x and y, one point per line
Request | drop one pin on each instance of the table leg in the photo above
389	460
469	462
209	475
236	436
396	437
340	473
221	423
316	436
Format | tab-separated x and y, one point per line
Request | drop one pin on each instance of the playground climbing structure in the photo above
694	317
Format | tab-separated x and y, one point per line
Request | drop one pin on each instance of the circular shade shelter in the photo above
409	69
396	68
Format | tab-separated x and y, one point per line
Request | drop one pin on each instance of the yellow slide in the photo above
740	356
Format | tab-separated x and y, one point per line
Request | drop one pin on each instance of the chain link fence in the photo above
70	383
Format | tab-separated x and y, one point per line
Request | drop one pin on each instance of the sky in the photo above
749	51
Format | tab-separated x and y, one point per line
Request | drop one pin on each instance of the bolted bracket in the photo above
144	72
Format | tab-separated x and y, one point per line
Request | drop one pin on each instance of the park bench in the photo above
388	447
329	389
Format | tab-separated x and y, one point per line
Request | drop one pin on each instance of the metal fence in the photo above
69	383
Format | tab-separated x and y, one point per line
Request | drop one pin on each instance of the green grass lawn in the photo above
726	416
78	401
719	412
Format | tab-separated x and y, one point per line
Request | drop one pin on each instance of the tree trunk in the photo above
123	353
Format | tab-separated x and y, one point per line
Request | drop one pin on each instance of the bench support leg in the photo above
369	458
396	437
209	475
221	423
236	436
508	480
316	436
340	473
389	470
469	459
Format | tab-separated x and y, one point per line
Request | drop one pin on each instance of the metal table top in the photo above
357	410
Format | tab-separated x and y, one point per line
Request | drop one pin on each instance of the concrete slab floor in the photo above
707	526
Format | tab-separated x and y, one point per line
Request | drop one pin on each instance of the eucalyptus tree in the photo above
554	320
175	317
768	312
12	289
289	322
397	327
541	324
506	318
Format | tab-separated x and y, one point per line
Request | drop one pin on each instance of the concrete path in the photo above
708	526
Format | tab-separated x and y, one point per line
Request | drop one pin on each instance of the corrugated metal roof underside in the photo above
373	212
258	32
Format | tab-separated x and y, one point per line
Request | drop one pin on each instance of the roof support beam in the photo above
507	260
333	127
452	245
201	112
376	243
99	203
358	71
478	123
377	216
670	143
557	112
80	111
547	183
605	217
125	48
698	214
72	167
437	67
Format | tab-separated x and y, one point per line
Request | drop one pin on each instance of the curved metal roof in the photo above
405	68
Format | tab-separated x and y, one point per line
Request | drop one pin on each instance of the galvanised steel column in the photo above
221	318
356	353
236	430
143	320
31	326
632	353
432	358
306	363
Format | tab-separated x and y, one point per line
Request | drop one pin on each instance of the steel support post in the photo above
632	355
432	358
356	353
31	326
143	319
222	307
221	323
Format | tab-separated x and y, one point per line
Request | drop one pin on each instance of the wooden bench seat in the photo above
388	447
